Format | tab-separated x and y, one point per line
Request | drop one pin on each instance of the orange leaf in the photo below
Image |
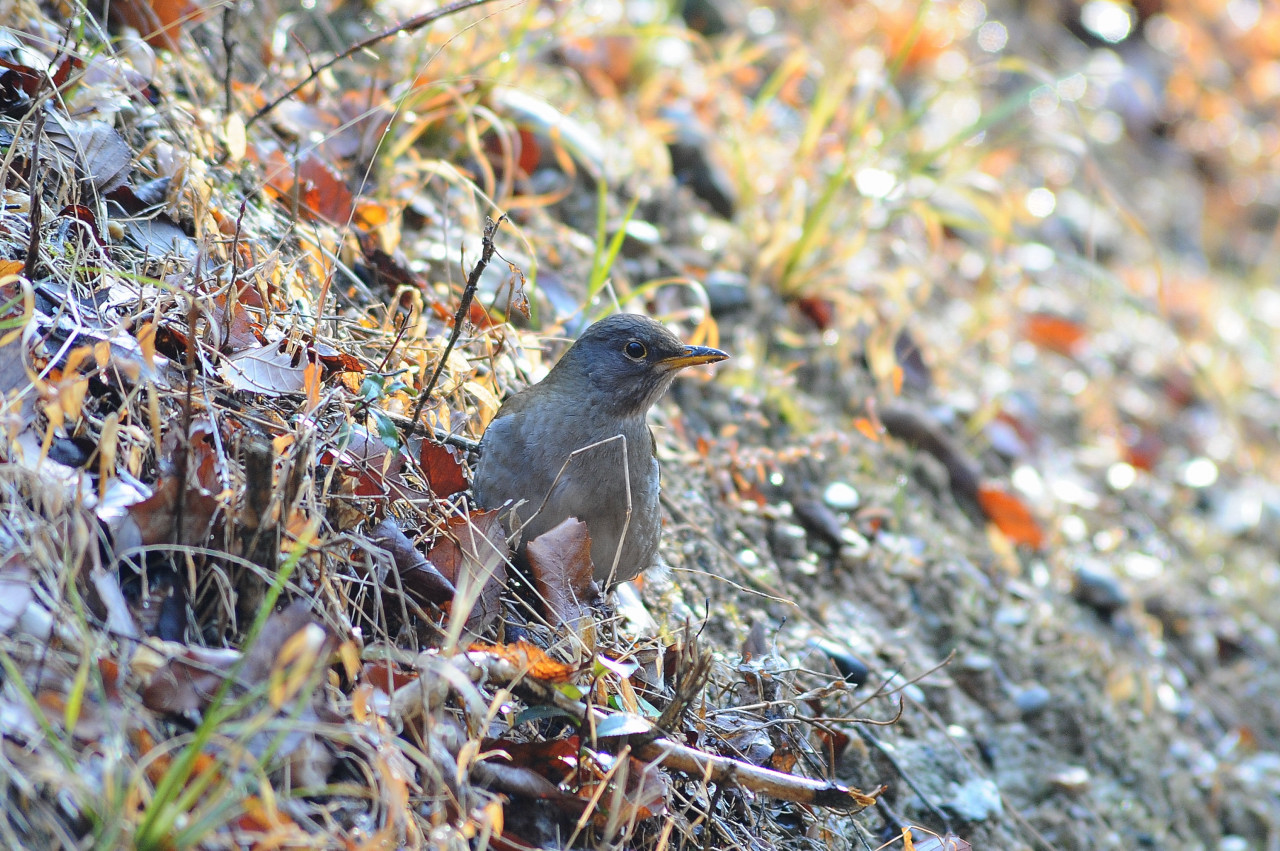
1011	516
532	658
866	429
1054	333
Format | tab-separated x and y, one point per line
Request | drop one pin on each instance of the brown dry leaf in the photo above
560	562
443	468
378	470
265	370
240	333
820	311
418	575
275	829
155	520
333	360
644	793
472	553
386	676
187	682
556	759
297	658
308	181
291	644
1010	515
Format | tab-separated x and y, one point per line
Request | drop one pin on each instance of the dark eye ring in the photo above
635	350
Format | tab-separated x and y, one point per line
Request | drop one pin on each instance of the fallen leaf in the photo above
189	680
265	370
307	182
643	794
560	565
443	468
531	659
159	21
100	153
472	553
1010	515
820	311
156	518
1054	333
418	575
290	645
160	236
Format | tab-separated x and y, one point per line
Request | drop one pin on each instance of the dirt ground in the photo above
983	510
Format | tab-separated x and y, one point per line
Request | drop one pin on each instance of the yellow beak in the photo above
692	356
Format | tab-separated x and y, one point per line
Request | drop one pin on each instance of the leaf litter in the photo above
242	587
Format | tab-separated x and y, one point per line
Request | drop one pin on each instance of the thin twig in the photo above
228	52
409	26
31	266
233	294
459	319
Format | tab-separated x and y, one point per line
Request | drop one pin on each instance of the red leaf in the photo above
1011	516
157	519
442	465
821	311
159	21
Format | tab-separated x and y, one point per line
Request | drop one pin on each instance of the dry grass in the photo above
220	620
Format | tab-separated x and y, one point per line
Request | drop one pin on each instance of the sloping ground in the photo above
983	510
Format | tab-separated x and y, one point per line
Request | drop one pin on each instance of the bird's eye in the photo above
635	350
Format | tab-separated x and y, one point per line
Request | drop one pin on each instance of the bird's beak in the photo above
691	356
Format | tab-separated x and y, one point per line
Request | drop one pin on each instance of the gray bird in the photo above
593	401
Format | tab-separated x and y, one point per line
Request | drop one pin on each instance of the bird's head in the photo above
625	363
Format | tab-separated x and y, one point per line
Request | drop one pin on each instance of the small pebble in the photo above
976	663
1032	700
976	800
727	292
1073	780
841	496
853	669
854	550
1098	591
